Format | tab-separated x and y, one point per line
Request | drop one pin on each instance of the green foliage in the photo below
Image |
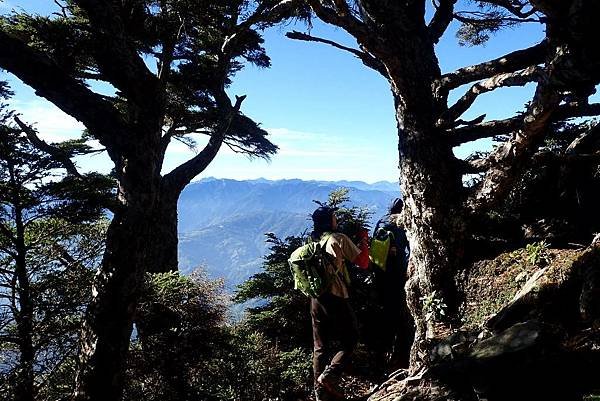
350	219
51	241
479	24
537	253
179	324
275	284
61	261
197	47
185	349
5	91
253	369
434	307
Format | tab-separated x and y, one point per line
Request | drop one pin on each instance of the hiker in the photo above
332	316
396	328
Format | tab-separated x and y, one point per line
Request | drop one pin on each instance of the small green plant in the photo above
537	253
516	254
434	307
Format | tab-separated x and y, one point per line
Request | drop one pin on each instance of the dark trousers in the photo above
335	331
396	328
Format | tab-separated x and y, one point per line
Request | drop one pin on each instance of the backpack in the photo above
380	247
309	264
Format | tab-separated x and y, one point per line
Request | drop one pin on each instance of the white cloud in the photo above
52	124
319	145
307	155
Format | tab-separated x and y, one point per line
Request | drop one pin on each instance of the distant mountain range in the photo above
222	222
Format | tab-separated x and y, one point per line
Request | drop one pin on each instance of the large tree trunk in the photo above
432	185
165	240
109	319
155	323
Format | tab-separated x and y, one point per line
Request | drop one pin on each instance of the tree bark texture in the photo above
164	240
109	319
432	186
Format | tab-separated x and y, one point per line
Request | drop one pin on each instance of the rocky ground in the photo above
531	331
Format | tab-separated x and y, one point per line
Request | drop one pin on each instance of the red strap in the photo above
362	260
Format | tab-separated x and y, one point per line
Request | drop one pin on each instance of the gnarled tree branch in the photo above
576	110
507	160
588	141
519	78
486	129
494	128
510	62
177	179
348	22
441	19
365	57
516	8
70	95
474	166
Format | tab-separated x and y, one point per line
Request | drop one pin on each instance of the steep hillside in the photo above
222	222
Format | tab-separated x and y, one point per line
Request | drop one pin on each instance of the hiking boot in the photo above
330	383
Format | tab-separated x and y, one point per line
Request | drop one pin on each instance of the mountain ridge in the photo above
222	222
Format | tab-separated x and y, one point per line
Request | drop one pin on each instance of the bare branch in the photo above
475	166
511	62
444	14
365	57
487	129
267	11
470	123
63	9
509	159
166	139
57	154
494	128
482	20
573	110
348	22
65	258
547	157
91	75
520	78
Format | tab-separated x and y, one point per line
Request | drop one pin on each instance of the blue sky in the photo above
332	118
